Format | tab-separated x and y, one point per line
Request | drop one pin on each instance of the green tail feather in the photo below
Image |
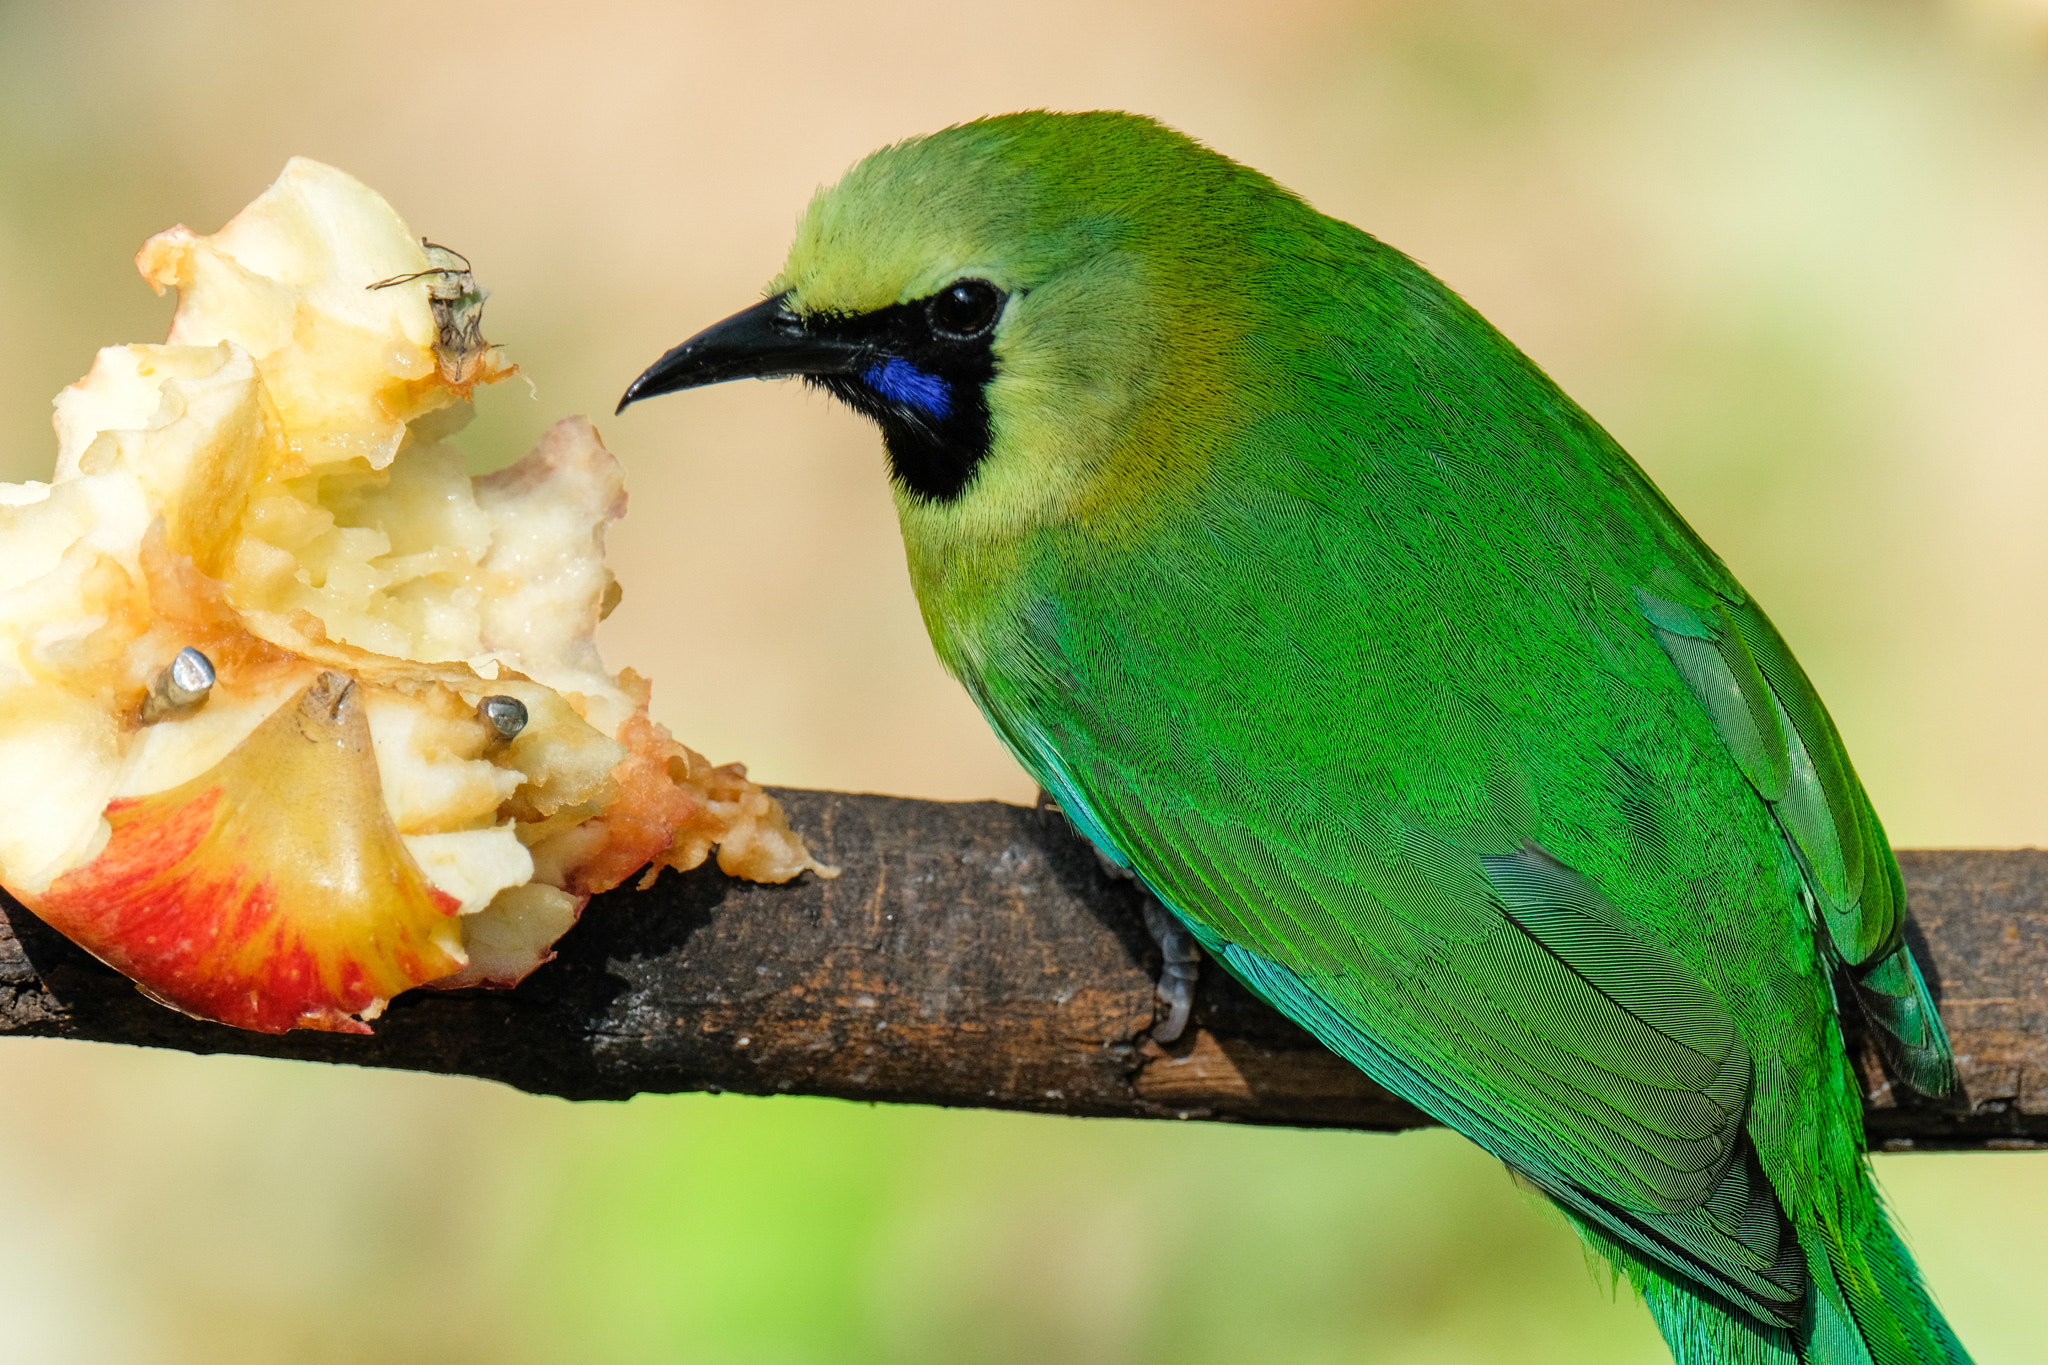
1702	1332
1866	1307
1874	1275
1698	1329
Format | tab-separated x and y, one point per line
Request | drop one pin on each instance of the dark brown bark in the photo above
976	954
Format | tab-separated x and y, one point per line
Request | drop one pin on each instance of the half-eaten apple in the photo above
295	714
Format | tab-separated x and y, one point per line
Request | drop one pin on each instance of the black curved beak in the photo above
766	341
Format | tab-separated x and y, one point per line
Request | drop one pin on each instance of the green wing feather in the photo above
1774	726
1505	996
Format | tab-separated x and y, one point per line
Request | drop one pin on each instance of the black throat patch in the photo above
926	390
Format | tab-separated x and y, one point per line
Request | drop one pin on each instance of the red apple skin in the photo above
271	892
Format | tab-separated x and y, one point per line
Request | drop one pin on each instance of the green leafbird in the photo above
1317	606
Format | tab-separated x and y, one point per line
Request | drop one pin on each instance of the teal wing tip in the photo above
1908	1029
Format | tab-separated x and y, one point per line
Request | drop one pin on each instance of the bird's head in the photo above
1008	299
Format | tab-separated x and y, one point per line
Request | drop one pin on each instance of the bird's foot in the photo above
1182	960
1182	966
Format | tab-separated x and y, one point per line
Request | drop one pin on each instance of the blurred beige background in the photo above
1794	254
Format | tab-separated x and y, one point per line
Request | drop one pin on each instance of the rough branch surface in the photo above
976	954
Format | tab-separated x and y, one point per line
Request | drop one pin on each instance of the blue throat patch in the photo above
899	381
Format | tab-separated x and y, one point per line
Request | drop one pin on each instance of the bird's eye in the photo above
965	308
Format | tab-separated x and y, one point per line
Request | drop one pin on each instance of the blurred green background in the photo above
1794	254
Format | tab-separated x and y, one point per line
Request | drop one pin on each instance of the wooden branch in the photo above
976	954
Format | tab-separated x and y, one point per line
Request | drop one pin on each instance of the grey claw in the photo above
1178	995
1181	969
